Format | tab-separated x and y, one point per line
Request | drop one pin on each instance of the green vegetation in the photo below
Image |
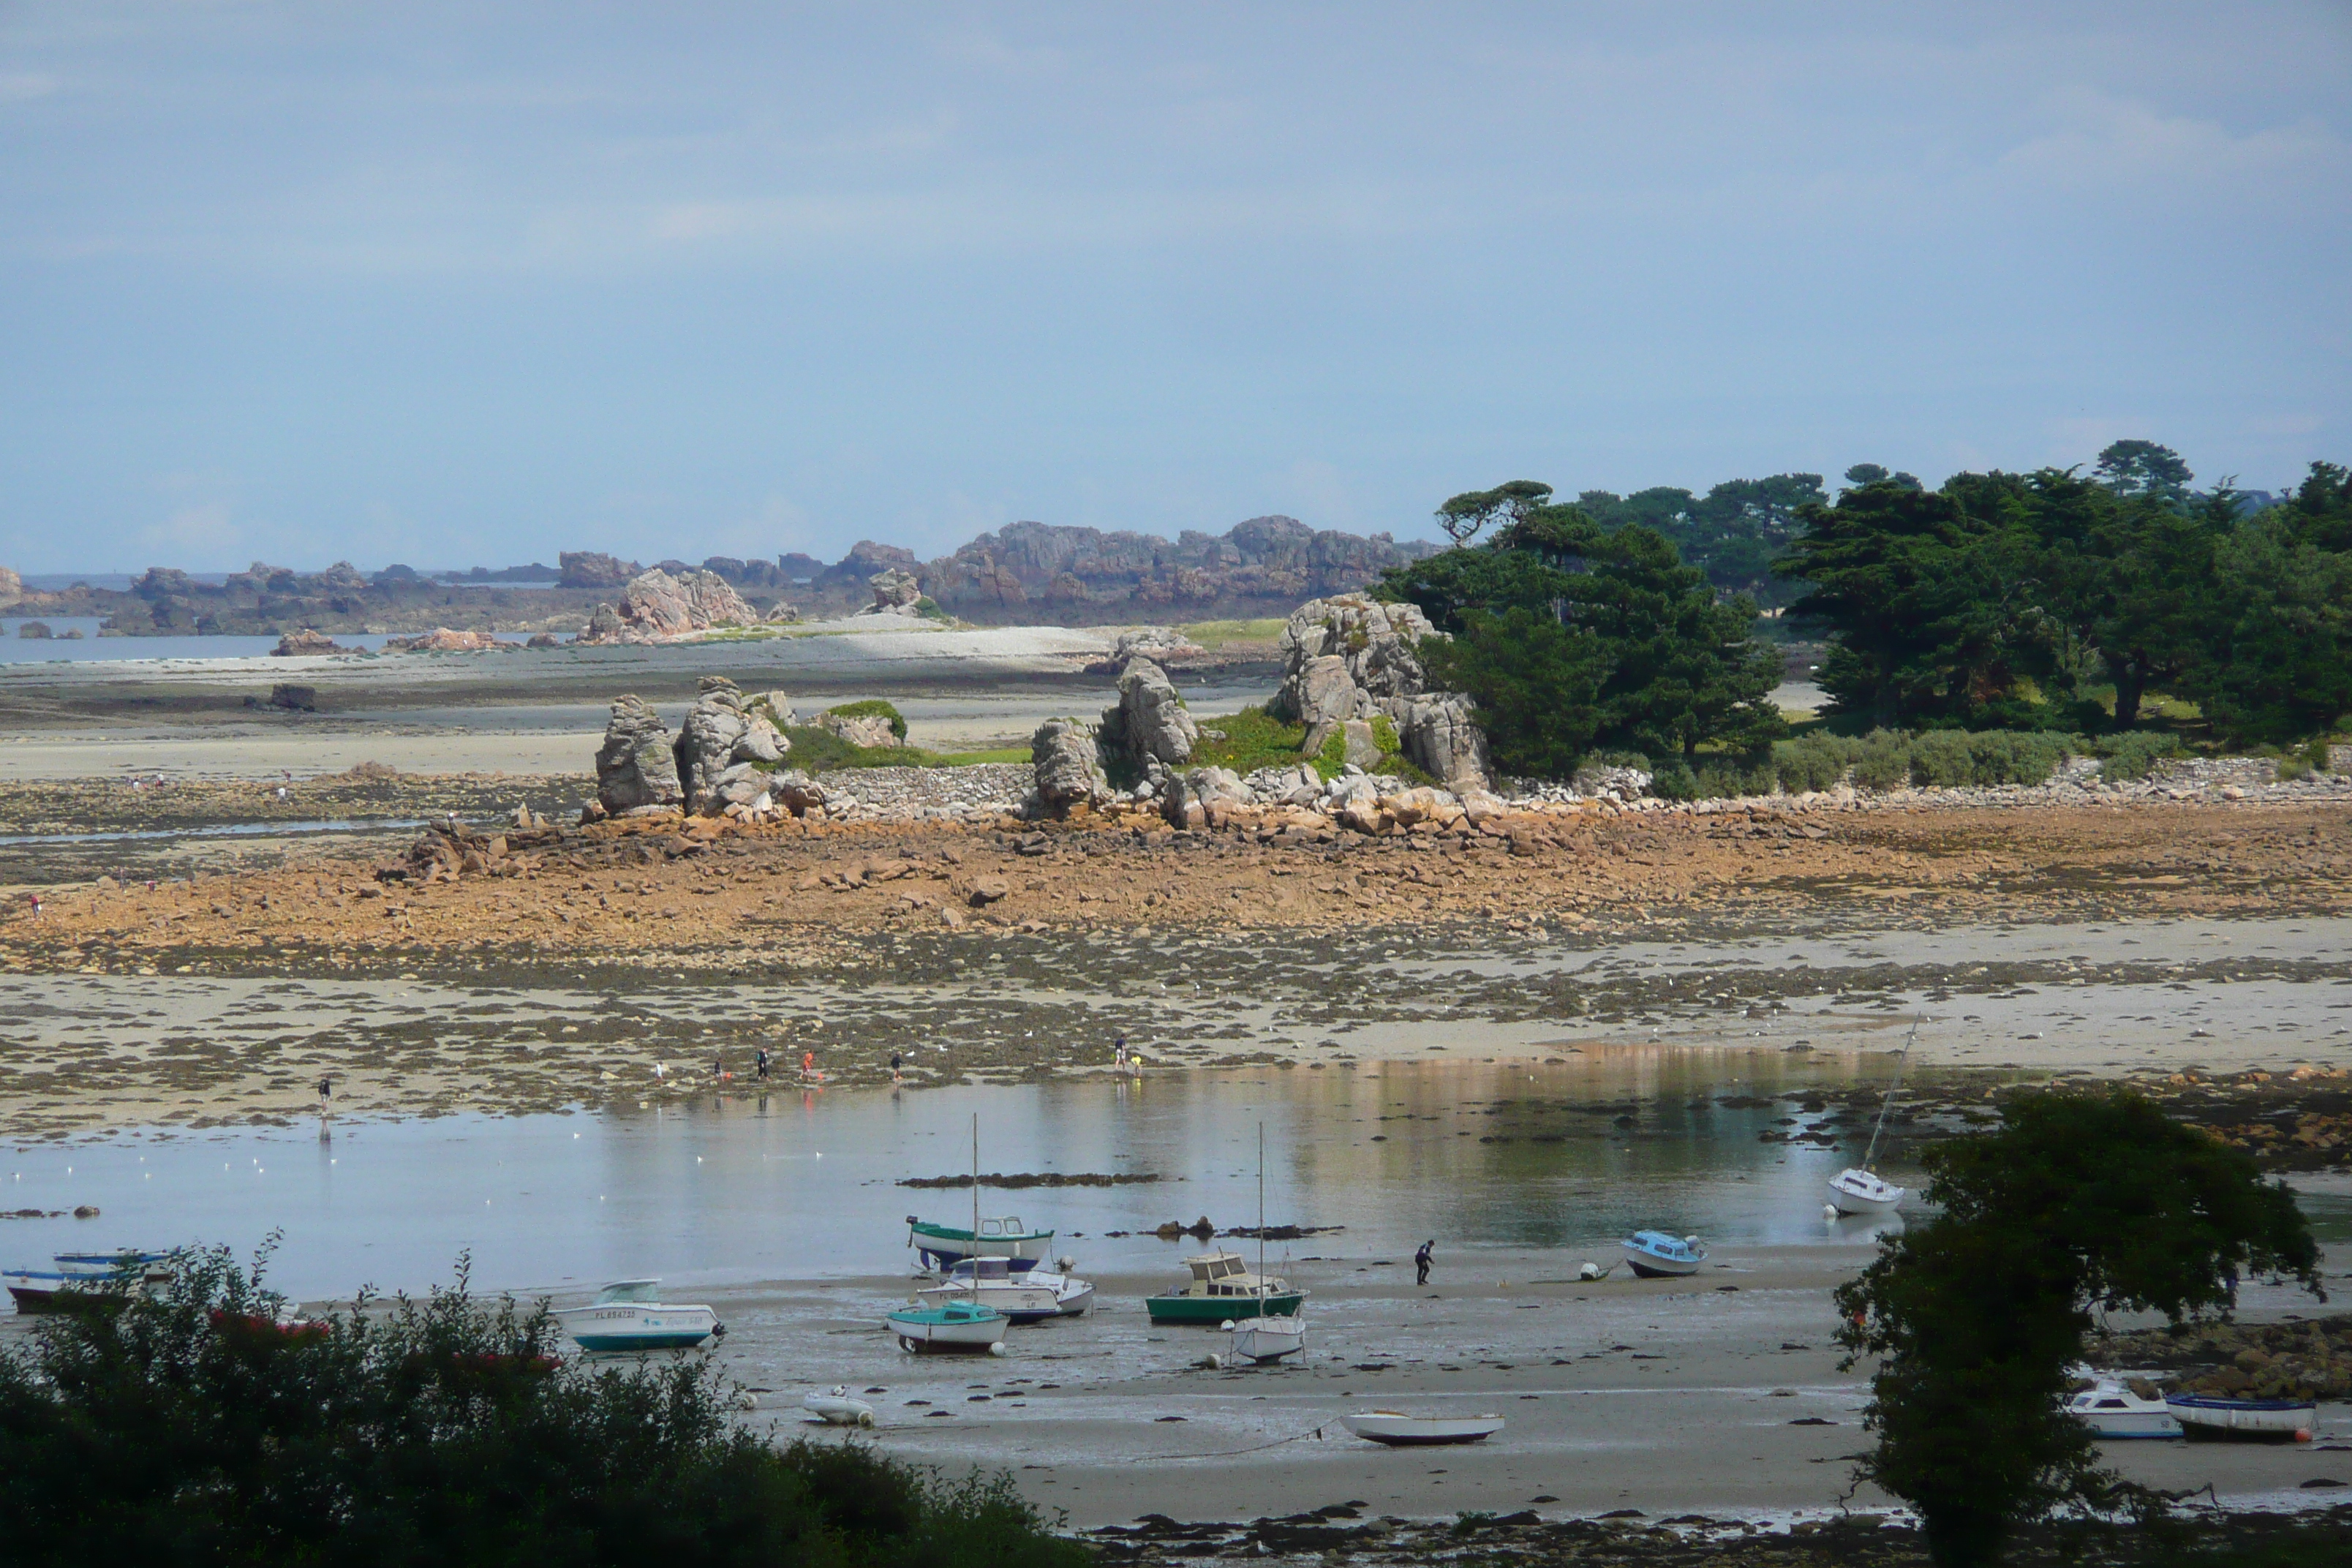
873	708
2019	601
2081	1202
194	1428
816	751
1574	638
1250	740
1222	634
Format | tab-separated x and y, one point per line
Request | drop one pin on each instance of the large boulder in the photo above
896	593
728	745
1444	740
657	607
1148	724
1068	768
305	643
1373	641
859	729
1203	797
635	769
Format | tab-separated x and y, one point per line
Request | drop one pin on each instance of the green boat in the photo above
1222	1290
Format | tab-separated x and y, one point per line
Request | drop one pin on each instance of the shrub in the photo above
873	708
192	1428
2133	754
1815	762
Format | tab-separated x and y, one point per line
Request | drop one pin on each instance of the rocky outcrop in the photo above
1149	726
1350	661
859	729
12	587
728	747
443	640
1067	766
635	769
896	593
1163	646
593	569
781	614
659	607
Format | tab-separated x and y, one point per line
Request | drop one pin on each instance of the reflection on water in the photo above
786	1185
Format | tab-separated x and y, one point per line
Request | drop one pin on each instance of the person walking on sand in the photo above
808	1067
895	1080
325	1094
1420	1262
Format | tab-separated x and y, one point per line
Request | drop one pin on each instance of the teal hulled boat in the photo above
1223	1289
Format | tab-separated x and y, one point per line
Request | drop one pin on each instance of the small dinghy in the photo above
836	1408
2112	1411
1269	1339
1400	1431
1654	1255
2206	1418
630	1315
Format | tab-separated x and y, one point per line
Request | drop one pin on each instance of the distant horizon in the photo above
438	282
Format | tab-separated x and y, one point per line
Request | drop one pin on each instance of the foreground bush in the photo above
196	1429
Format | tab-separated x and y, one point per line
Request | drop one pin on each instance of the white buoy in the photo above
996	1349
1829	1210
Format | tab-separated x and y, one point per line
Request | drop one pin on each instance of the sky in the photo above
474	283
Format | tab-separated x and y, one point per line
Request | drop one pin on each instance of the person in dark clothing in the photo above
1421	1262
759	1063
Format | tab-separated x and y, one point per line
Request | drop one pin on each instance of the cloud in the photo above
22	87
2102	139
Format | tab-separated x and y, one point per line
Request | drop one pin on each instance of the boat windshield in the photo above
986	1269
638	1290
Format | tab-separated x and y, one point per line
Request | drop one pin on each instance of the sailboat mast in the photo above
1870	1155
1261	1210
975	1206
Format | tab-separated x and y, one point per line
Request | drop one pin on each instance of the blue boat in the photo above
94	1281
968	1327
1654	1255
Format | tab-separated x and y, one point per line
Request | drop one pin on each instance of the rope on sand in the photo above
1254	1449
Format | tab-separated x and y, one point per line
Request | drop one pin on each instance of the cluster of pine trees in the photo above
2049	601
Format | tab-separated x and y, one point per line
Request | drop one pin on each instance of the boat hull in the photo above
919	1335
1398	1431
1019	1303
2207	1420
835	1410
940	1248
625	1328
1269	1339
1208	1311
1867	1197
1648	1268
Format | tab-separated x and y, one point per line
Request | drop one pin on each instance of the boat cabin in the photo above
987	1270
634	1292
1225	1274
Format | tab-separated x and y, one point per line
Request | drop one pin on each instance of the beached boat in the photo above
1400	1431
630	1315
2207	1419
943	1247
1030	1298
1654	1255
838	1408
960	1326
1860	1189
2112	1411
1269	1339
94	1281
1223	1289
1072	1295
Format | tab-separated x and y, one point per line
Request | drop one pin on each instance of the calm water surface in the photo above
785	1185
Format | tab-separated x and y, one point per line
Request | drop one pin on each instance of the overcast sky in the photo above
470	284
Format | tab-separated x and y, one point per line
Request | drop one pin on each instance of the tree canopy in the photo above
2014	600
2082	1201
1573	637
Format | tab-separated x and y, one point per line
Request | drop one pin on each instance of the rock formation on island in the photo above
727	760
1068	768
1350	658
441	639
306	642
897	592
1147	726
657	607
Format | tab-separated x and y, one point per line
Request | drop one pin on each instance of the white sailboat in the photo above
1268	1339
1859	1189
1024	1298
963	1322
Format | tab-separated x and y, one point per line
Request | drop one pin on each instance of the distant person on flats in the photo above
759	1063
1421	1262
895	1080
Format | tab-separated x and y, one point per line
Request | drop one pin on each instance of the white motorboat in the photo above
1269	1339
1402	1431
1028	1298
2114	1411
836	1408
1072	1295
1654	1255
630	1315
1860	1189
2208	1418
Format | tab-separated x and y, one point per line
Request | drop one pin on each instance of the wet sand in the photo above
1668	1397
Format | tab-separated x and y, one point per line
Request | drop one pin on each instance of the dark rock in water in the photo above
300	699
85	1211
544	639
36	629
1036	1179
1200	1229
